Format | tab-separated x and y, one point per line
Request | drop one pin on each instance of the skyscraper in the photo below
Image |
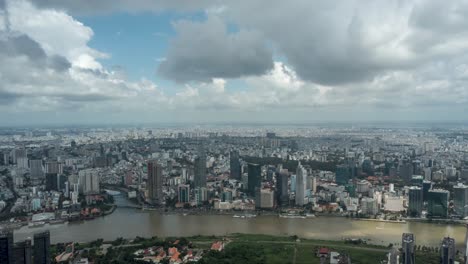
406	170
183	193
6	247
42	248
447	251
155	182
460	200
36	169
235	165
427	185
408	247
437	203
415	201
89	181
301	177
343	174
254	178
200	169
282	187
22	252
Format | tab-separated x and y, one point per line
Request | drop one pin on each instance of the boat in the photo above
292	216
36	224
56	222
310	215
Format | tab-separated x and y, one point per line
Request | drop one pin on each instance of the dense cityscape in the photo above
60	176
233	132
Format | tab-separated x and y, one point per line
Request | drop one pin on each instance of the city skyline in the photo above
210	61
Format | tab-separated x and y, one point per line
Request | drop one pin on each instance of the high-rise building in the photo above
447	251
406	170
184	193
22	252
265	198
254	180
22	162
428	173
201	195
301	177
464	174
235	165
42	248
460	200
426	186
344	173
408	248
155	183
36	169
415	201
200	169
6	247
282	187
437	203
18	153
89	181
54	167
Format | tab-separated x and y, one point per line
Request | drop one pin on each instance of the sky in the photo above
160	61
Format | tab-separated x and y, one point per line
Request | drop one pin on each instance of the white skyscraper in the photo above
301	177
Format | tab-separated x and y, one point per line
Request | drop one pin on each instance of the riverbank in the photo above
239	248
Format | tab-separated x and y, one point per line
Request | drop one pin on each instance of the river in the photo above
129	223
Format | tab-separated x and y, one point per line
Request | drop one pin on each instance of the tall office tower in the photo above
235	165
460	200
36	169
155	183
22	162
254	179
406	171
427	185
428	173
437	203
183	193
408	247
343	174
301	177
447	251
313	184
415	201
6	247
282	187
23	252
42	248
89	181
18	153
54	167
200	169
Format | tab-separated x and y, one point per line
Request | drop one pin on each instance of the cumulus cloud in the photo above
40	73
205	50
108	6
311	57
